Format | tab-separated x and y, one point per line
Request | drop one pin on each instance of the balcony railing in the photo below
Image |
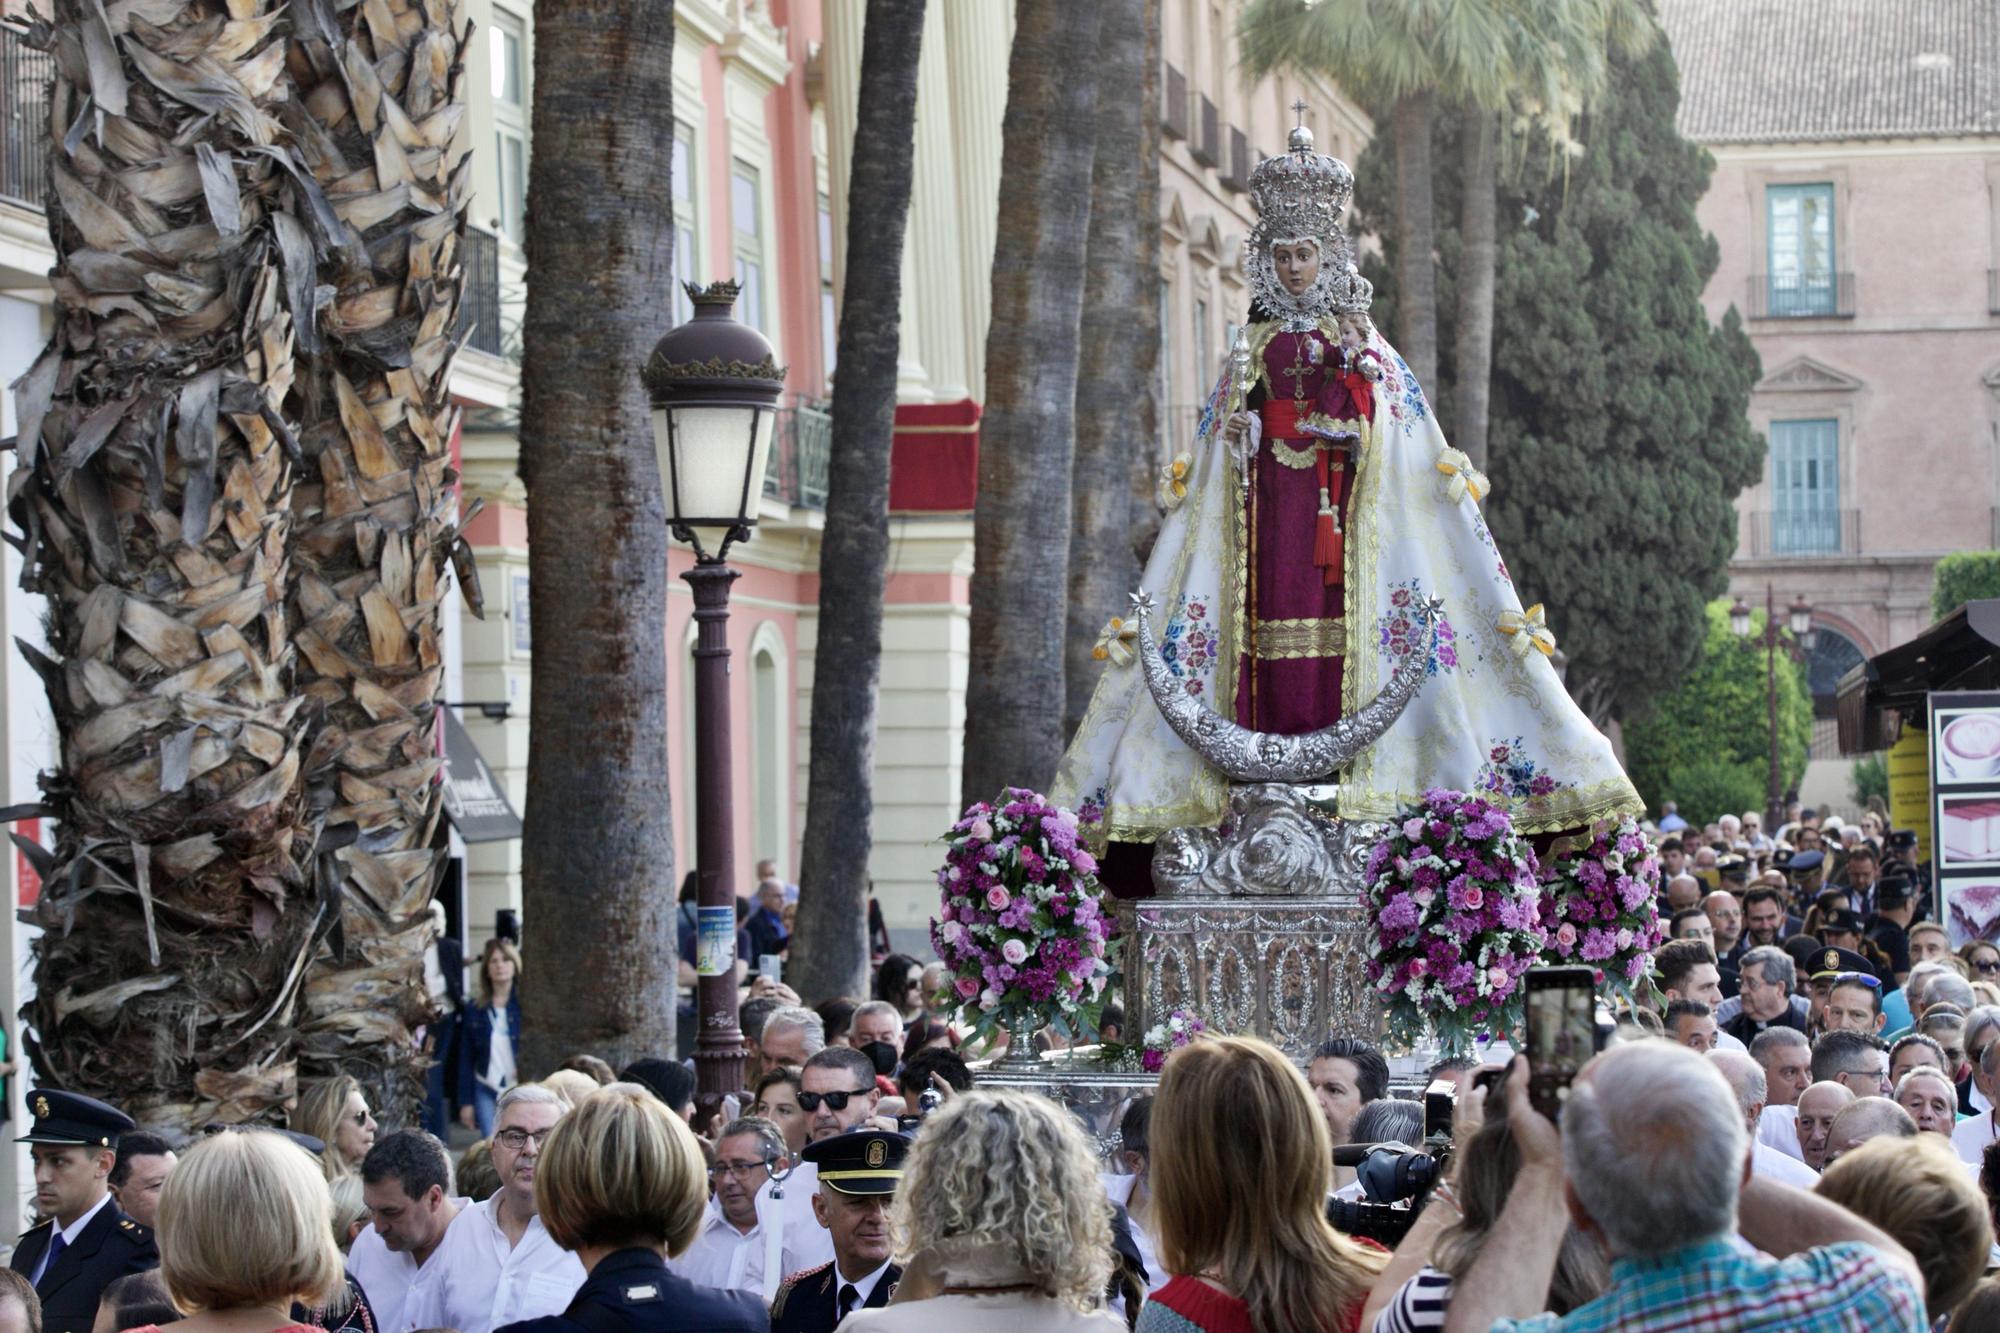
479	299
800	453
1801	296
24	104
1236	171
1810	532
1174	115
1207	142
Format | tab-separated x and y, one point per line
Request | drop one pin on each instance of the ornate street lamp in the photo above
1799	621
714	387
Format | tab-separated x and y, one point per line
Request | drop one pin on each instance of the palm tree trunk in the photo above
1416	226
386	135
831	957
161	464
598	855
1014	699
1116	399
1479	250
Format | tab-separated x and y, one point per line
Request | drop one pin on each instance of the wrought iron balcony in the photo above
24	106
1801	296
479	299
800	453
1802	533
1174	115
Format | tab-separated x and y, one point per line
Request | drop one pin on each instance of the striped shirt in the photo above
1716	1286
1419	1304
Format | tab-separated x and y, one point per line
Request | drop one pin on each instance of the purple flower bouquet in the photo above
1600	904
1021	922
1455	912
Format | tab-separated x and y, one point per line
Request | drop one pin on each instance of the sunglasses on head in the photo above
1857	979
835	1100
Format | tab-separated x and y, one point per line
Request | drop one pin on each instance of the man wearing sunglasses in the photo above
837	1092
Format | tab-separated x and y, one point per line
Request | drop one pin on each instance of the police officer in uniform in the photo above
858	1175
85	1241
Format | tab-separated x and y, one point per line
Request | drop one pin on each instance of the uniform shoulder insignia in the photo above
785	1287
642	1293
805	1273
138	1232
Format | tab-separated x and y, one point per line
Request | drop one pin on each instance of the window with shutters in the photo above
1803	280
1805	487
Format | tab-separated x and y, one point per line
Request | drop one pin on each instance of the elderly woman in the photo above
1003	1223
1242	1163
622	1184
246	1229
335	1111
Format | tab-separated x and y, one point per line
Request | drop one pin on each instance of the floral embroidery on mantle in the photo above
1396	630
1512	772
1190	642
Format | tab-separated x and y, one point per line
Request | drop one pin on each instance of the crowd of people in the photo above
1800	1133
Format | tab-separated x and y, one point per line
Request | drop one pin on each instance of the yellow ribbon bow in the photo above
1461	478
1174	482
1115	644
1528	629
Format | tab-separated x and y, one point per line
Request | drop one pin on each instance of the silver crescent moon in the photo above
1262	756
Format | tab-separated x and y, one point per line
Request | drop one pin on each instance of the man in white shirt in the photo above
1746	1080
744	1224
497	1264
406	1184
1972	1136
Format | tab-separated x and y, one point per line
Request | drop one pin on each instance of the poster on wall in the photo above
1965	812
1910	787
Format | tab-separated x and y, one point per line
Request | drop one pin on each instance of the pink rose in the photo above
1474	899
981	830
1566	936
997	897
1014	952
967	987
1497	977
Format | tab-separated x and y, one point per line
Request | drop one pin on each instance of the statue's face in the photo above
1297	263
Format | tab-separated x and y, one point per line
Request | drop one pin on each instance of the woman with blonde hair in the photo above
335	1111
1002	1224
621	1184
1242	1165
246	1230
490	1030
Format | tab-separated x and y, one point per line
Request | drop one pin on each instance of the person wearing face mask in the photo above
877	1032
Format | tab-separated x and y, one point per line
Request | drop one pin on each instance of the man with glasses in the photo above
1857	1061
744	1224
497	1264
837	1092
1764	985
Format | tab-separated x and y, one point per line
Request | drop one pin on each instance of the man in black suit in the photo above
86	1241
858	1175
444	979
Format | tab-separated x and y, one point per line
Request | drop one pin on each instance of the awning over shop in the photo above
1960	652
474	800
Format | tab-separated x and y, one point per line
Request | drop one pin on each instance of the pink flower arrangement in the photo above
1020	916
1600	904
1456	918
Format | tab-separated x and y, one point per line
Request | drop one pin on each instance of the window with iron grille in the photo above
1799	222
1805	487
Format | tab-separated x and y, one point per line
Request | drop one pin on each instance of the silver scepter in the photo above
1239	391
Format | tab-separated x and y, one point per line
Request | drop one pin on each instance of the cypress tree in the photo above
1620	436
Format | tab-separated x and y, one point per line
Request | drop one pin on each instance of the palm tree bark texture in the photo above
832	954
217	209
598	853
1117	389
1015	692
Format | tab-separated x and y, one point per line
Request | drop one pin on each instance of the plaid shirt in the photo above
1716	1286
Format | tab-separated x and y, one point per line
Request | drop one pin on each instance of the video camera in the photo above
1396	1180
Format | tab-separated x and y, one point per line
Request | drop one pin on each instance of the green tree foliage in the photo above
1707	789
1869	779
1717	716
1965	576
1619	430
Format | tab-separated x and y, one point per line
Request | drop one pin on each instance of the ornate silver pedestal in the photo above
1259	926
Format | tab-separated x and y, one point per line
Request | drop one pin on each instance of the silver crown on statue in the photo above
1300	193
1352	293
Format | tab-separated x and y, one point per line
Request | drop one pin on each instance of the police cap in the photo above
72	1118
867	1161
1830	963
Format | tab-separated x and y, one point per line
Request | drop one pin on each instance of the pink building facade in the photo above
1856	202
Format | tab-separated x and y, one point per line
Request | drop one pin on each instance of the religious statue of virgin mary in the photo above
1319	531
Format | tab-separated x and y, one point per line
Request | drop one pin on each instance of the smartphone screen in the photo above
770	965
1562	1032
